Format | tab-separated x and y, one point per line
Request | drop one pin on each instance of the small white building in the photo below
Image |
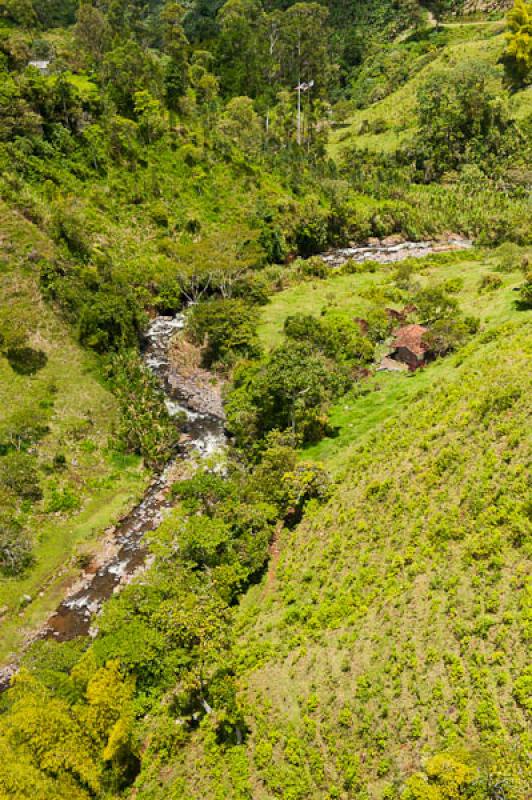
42	65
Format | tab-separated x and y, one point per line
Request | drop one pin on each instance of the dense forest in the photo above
330	203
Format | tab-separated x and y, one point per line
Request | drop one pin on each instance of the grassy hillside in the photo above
394	622
390	122
68	416
358	413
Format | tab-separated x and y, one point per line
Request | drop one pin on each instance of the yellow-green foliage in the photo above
518	53
53	740
395	625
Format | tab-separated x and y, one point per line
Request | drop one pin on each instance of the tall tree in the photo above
304	54
304	39
176	48
91	30
240	47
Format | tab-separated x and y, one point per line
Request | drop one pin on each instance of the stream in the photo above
204	435
393	249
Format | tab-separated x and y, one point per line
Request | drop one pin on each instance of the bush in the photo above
379	324
314	267
23	429
525	291
517	57
522	690
273	242
352	267
433	304
453	285
145	426
311	231
71	228
486	716
446	777
403	272
225	329
489	282
15	542
18	473
26	360
337	336
252	288
508	256
61	500
110	320
205	542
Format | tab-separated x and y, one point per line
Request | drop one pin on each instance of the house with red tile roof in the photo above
408	346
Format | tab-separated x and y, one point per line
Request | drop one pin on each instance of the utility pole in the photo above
301	87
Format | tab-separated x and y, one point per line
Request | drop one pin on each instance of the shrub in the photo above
110	320
517	57
453	285
204	541
26	360
23	429
15	542
191	155
402	276
486	716
273	242
145	427
252	288
225	329
314	267
311	230
489	282
433	304
71	228
18	473
352	267
522	690
525	290
279	478
61	500
446	335
337	336
507	257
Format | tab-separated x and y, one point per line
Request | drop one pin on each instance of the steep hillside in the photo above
61	483
394	623
389	119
